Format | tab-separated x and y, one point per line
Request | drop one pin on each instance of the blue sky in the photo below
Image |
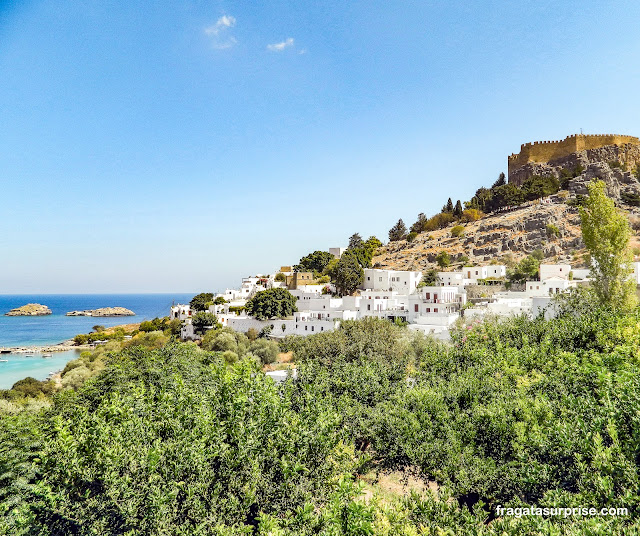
178	146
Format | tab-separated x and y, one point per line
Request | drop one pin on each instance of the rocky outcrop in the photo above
104	311
30	309
627	156
552	226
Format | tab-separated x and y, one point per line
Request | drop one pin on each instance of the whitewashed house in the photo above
547	287
547	271
398	280
180	312
449	279
492	271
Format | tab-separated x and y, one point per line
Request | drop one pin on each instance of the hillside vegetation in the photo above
505	222
177	441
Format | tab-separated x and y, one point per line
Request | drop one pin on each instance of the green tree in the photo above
355	241
606	234
201	302
280	277
429	278
348	274
527	268
219	301
505	195
147	326
457	211
372	244
500	182
202	320
538	187
315	262
398	231
272	303
98	328
443	259
448	208
420	226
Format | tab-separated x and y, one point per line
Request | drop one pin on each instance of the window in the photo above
306	328
428	295
368	278
368	307
312	328
415	308
435	309
321	329
428	309
379	279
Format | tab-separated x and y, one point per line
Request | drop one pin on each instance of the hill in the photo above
550	223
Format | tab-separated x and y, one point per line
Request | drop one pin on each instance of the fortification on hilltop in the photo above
546	151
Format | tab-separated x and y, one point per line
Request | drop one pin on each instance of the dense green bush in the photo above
182	441
162	443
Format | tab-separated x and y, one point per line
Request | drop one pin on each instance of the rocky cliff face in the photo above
628	156
552	226
31	309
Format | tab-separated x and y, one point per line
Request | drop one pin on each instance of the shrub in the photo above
220	341
443	259
457	231
632	199
552	231
411	236
230	357
266	350
471	214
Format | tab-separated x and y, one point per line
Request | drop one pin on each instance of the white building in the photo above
547	271
448	279
337	252
493	271
548	287
400	281
580	273
180	312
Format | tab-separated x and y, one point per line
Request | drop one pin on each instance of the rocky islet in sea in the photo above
104	311
30	309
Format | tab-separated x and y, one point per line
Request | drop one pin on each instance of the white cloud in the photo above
224	22
278	47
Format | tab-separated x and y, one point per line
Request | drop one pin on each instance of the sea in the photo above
18	331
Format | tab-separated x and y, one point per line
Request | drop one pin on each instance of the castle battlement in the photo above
545	151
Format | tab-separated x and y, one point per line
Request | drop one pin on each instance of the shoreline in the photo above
63	346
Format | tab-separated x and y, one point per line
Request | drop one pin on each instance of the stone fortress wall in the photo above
546	151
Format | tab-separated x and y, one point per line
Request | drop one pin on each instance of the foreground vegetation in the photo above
168	438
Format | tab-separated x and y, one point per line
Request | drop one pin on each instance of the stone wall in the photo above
628	155
547	151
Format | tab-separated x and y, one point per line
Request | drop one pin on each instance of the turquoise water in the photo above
55	328
18	366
